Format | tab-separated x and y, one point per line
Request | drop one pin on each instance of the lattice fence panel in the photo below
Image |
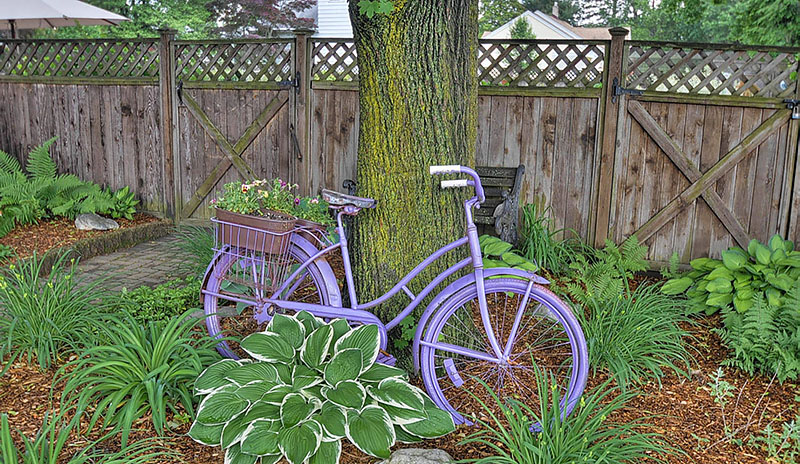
334	61
234	61
746	73
79	58
541	64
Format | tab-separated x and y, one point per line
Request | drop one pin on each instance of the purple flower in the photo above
296	201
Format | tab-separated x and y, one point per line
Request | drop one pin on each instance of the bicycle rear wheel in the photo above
455	349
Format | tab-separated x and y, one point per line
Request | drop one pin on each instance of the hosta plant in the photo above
309	385
499	253
763	270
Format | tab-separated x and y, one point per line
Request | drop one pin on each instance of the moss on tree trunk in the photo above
418	97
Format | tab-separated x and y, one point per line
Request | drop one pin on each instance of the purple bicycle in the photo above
491	324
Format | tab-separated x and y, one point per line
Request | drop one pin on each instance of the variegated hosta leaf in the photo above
397	393
284	372
263	410
219	408
378	372
437	424
333	419
277	394
253	391
233	430
213	377
328	453
347	393
271	459
345	365
340	328
309	321
371	430
268	347
242	375
289	328
297	408
261	438
234	455
316	347
300	442
208	435
404	437
303	377
366	339
404	416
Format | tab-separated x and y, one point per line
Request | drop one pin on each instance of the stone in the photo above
92	221
419	456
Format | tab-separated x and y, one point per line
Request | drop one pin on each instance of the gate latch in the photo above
292	83
619	90
793	105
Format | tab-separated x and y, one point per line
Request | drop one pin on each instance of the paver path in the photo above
149	263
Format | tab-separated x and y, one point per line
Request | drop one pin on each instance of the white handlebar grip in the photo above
446	169
455	183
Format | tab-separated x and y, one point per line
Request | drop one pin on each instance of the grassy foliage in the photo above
46	317
636	336
587	435
197	243
163	302
540	243
139	370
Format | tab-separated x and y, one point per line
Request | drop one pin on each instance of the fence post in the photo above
166	87
608	134
302	115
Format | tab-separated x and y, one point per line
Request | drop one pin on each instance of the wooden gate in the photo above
235	117
706	148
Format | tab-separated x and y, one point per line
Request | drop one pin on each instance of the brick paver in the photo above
150	263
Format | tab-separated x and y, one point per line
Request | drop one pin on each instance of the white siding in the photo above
333	19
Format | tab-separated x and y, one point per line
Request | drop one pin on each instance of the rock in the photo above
419	456
94	222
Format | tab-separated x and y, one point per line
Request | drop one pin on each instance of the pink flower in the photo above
315	201
213	201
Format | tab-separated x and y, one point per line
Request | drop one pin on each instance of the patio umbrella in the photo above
36	14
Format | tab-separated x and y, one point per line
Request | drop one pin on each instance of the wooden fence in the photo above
692	147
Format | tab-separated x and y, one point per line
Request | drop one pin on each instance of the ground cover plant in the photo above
310	385
163	302
47	317
39	191
139	370
587	435
540	242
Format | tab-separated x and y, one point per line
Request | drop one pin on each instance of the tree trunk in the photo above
419	99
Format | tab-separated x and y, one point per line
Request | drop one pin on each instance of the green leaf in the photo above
261	438
316	346
332	418
243	375
781	282
704	264
777	255
269	347
489	263
347	393
219	408
234	455
404	416
213	377
303	377
776	243
233	431
378	372
742	305
493	246
721	272
513	259
208	435
309	321
262	410
734	259
371	430
289	329
719	300
762	254
439	423
345	365
773	297
676	286
340	328
277	394
300	442
328	453
297	408
366	339
405	437
397	393
719	285
253	391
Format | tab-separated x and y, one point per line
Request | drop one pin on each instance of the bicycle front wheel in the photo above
455	350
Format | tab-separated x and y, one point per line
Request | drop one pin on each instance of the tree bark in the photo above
419	100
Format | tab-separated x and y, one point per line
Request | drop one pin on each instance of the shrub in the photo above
765	338
198	244
123	204
586	435
636	336
46	317
499	253
139	370
735	281
310	385
539	243
162	303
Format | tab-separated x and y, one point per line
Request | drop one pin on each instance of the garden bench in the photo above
501	209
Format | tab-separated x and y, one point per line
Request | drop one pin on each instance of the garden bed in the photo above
681	410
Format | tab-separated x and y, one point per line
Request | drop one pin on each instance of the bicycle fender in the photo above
458	285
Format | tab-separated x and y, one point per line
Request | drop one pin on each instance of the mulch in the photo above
680	409
59	232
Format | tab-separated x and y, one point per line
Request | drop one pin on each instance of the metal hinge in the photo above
793	105
619	90
292	83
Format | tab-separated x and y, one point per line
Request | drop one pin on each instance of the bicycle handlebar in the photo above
456	169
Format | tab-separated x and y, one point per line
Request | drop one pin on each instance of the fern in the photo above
8	165
40	165
672	270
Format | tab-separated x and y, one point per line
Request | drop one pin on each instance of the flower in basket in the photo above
258	197
313	209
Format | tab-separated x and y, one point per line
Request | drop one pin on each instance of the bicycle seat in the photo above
340	199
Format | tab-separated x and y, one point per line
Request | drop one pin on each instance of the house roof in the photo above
554	28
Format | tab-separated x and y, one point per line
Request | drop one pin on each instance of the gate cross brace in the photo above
234	152
701	183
